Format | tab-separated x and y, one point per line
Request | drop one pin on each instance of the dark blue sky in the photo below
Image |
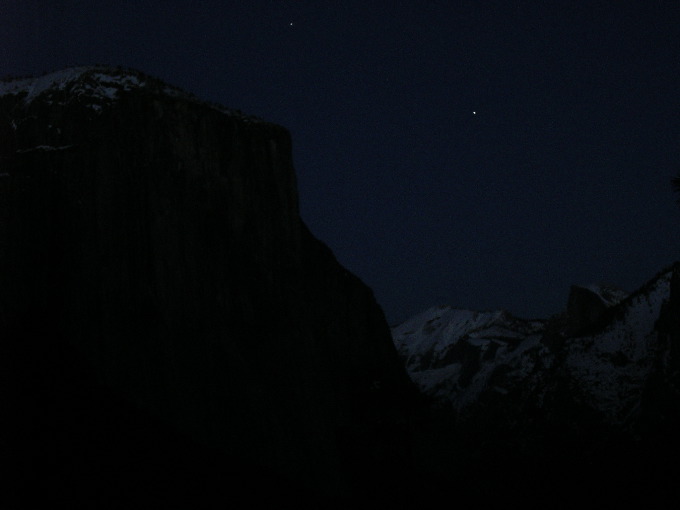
561	176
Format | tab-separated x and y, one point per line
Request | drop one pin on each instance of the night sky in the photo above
482	154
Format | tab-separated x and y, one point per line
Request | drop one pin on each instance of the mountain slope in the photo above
451	354
585	404
457	355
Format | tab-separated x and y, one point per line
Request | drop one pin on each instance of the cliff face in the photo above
151	248
586	305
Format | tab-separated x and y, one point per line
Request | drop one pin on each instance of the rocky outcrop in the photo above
586	305
583	309
154	271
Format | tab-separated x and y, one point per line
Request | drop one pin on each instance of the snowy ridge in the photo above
97	87
451	354
437	329
609	294
93	81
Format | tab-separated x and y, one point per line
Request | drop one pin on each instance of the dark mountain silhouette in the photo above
171	331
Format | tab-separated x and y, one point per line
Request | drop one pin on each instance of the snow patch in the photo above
452	354
44	148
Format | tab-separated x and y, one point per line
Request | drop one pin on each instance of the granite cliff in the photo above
169	325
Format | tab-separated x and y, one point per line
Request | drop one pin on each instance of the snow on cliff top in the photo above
96	82
100	85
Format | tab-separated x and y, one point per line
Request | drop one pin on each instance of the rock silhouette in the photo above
170	327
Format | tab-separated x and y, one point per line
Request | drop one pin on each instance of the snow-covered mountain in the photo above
451	354
582	405
601	353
